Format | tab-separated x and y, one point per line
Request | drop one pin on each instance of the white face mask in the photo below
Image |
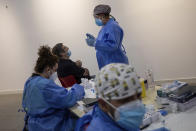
53	76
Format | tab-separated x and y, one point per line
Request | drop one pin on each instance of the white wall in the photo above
161	34
158	33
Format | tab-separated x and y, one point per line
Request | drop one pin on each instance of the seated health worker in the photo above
45	103
119	106
69	72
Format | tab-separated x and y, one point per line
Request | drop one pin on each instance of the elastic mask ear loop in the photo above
113	18
109	103
49	73
111	106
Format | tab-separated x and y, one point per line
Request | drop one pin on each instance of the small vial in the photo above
150	78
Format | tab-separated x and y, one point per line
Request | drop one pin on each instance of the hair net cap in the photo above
117	81
102	9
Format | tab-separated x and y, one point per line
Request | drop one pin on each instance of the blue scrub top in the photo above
47	105
97	120
109	45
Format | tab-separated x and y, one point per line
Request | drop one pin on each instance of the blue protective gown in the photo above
97	120
108	45
47	105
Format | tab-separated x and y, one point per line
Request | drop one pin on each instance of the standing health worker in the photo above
108	44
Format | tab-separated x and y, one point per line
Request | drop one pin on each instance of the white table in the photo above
182	121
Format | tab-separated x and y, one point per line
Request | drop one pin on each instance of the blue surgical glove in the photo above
79	91
90	40
90	36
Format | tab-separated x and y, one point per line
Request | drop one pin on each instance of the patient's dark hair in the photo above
45	59
58	49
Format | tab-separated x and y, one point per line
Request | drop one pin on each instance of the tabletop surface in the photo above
180	121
